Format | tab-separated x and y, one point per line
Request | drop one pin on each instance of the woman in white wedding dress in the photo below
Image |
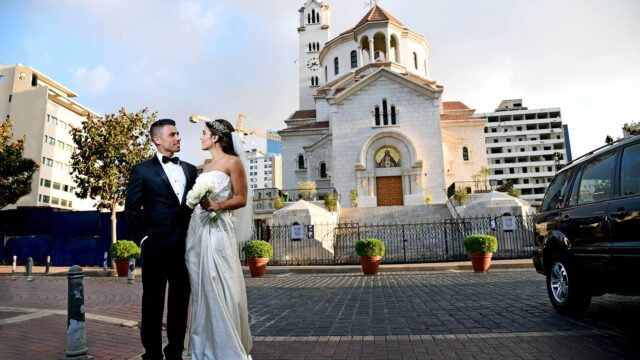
220	317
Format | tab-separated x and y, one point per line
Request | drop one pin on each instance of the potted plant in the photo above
370	252
121	251
353	194
481	249
460	195
331	201
258	253
285	196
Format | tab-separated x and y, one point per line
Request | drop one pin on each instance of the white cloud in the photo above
195	17
95	81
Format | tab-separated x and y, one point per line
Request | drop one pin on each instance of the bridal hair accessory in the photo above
218	127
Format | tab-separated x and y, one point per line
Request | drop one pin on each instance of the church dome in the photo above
378	37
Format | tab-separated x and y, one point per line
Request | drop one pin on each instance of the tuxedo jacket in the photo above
151	206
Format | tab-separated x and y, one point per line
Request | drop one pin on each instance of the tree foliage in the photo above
108	148
16	171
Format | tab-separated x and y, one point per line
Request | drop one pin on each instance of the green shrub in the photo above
306	190
331	201
513	192
258	249
370	247
483	244
460	195
124	250
353	194
278	203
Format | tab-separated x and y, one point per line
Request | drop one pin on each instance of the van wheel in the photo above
567	294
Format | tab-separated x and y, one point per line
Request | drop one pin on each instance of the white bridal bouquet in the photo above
202	189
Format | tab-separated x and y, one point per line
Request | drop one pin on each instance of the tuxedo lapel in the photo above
160	171
188	180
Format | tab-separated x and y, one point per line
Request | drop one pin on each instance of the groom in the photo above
158	216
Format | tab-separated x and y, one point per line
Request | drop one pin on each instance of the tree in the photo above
108	148
16	172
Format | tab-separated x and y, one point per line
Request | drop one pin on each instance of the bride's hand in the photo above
209	205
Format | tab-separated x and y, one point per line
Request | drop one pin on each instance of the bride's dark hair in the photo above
223	129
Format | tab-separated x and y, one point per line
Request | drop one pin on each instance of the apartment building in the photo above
525	146
265	170
43	111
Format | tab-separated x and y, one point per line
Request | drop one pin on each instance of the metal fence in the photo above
332	244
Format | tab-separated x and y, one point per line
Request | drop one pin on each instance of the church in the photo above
371	118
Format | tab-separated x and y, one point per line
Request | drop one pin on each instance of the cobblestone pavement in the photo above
503	314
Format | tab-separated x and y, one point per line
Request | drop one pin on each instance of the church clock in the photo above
313	64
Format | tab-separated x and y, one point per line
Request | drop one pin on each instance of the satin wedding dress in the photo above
220	317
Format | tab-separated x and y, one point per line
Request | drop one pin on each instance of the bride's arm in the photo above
239	185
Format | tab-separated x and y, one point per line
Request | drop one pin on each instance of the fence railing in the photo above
332	244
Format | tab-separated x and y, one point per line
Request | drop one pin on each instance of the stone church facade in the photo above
371	119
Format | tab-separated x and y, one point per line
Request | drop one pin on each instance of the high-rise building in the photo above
43	111
265	170
525	146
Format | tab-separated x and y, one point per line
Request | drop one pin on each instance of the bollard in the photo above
29	268
48	265
104	263
14	266
131	277
76	329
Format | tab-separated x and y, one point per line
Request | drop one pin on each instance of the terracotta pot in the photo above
257	266
370	264
480	261
122	267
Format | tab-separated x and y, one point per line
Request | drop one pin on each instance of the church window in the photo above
326	73
415	60
336	66
301	162
308	18
323	170
377	115
313	15
310	47
354	59
393	115
465	154
385	114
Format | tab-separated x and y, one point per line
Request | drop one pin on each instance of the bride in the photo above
220	317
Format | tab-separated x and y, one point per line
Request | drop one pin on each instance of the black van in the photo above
588	230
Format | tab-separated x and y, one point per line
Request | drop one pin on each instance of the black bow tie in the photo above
166	159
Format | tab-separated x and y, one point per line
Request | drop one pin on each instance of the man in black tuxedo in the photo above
158	216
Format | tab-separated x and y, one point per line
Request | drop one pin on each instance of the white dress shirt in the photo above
176	177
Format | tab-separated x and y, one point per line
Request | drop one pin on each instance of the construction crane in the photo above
240	128
194	118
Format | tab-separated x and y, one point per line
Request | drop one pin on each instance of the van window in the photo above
553	199
630	171
596	182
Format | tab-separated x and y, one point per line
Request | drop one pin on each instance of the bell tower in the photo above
313	34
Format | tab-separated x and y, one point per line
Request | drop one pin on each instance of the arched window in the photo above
385	115
313	15
301	162
310	47
465	154
312	81
336	66
415	60
308	18
323	170
377	115
393	115
326	73
354	59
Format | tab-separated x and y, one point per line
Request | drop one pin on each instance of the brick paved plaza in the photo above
504	314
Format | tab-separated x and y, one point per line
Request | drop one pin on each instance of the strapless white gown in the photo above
220	317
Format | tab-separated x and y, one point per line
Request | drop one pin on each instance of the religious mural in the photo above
387	156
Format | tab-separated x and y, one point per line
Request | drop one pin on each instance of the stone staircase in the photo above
410	214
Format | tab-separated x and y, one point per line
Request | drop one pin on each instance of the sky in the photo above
220	58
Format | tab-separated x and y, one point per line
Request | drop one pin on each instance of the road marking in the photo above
38	313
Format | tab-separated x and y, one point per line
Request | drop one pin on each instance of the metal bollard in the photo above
48	265
14	266
104	263
76	329
131	277
28	268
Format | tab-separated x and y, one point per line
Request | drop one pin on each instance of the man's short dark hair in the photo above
158	124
